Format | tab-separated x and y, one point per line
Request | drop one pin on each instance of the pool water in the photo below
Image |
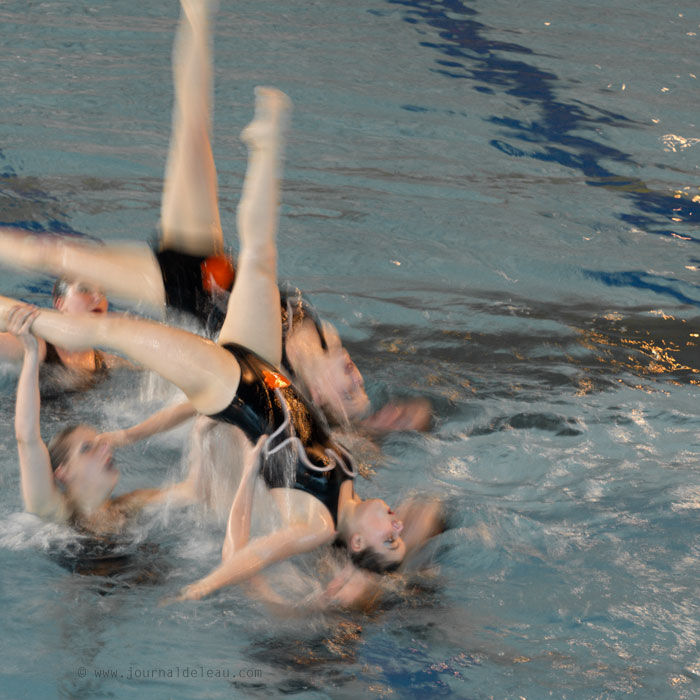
497	204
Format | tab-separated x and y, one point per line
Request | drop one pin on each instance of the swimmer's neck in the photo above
78	359
348	501
98	518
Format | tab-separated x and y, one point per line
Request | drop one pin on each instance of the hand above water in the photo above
116	438
19	324
408	414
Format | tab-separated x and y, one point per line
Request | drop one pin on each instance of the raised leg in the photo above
190	220
253	317
207	373
128	270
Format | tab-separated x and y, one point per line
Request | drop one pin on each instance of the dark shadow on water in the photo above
392	645
466	52
531	352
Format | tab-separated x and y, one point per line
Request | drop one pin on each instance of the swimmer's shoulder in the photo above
54	509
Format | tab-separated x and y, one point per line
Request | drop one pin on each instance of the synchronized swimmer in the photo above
247	378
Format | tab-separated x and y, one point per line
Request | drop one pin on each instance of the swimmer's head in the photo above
82	465
342	394
74	296
372	535
330	376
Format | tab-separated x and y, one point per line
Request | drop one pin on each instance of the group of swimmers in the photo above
264	361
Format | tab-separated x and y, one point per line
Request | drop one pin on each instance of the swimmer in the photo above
190	272
61	368
72	479
190	228
323	368
238	381
358	584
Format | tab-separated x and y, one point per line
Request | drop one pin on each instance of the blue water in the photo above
497	203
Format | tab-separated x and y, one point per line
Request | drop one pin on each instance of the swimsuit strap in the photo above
100	362
343	460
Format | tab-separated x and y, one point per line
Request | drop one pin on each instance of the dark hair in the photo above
59	446
372	560
60	289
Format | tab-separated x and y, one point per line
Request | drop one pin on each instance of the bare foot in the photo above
272	108
197	13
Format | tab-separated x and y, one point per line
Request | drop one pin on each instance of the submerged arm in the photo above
402	414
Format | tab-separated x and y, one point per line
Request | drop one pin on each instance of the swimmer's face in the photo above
343	392
378	528
87	470
81	297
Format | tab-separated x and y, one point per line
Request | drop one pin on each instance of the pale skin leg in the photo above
125	270
253	317
190	220
189	209
205	372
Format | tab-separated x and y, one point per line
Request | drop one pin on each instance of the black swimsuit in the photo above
53	358
121	562
56	378
267	404
184	291
182	281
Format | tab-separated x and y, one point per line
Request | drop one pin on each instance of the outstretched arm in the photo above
310	527
182	493
160	422
256	556
238	527
404	414
39	491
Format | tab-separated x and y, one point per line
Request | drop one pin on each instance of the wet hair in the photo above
368	558
59	446
372	560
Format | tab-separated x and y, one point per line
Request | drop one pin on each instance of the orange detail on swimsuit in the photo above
217	270
274	380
